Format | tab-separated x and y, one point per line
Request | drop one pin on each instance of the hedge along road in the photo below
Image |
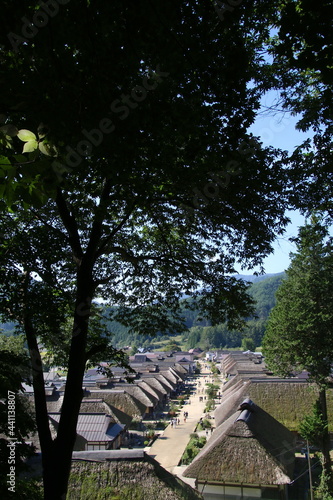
169	447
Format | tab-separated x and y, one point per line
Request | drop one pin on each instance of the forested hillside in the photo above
202	334
208	337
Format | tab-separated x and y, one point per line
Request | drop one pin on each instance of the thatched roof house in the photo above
137	392
230	403
172	376
158	387
125	474
250	451
90	405
122	400
154	395
287	400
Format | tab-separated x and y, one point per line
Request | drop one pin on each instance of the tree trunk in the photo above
327	462
57	460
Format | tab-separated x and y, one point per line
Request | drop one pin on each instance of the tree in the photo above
248	344
299	334
16	419
301	71
313	426
211	390
138	182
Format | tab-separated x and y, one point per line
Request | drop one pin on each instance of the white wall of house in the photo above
209	356
224	492
221	492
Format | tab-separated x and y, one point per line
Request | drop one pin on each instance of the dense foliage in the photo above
299	333
302	72
220	336
192	449
129	175
128	172
201	333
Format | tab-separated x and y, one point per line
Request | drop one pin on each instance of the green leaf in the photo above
26	135
30	146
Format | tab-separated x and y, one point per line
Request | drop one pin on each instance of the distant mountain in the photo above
263	292
262	289
254	279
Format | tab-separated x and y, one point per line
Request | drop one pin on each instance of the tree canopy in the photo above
299	333
129	175
301	70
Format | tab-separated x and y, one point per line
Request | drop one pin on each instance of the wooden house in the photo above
249	456
94	431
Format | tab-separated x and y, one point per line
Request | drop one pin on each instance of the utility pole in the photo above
310	471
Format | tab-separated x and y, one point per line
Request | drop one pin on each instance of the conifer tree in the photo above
299	333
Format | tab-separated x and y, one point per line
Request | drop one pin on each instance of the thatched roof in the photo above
288	400
141	478
246	363
121	400
153	394
165	382
120	417
90	405
230	402
251	447
181	370
137	392
171	376
157	386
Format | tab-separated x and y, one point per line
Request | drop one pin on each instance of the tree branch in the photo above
96	230
47	224
115	230
71	226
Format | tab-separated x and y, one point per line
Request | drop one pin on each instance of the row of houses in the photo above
251	453
288	400
111	403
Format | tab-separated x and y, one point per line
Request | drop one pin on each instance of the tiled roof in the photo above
94	427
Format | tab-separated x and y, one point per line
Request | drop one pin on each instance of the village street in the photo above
169	447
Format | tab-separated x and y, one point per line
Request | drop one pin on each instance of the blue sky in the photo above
278	129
